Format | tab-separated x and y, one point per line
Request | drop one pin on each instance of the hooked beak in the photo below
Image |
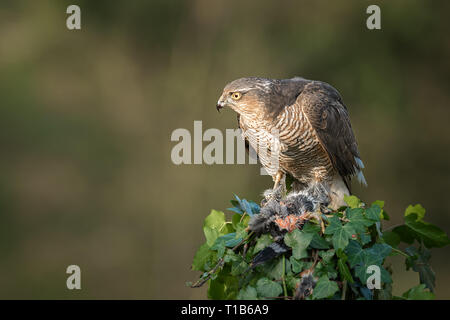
220	105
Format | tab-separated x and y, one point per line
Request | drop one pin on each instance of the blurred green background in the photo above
86	118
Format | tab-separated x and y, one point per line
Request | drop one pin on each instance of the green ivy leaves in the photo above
336	261
357	219
325	288
219	235
341	233
215	226
417	229
418	293
360	259
355	222
267	288
432	236
419	261
248	293
299	242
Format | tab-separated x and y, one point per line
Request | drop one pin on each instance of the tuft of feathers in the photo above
280	216
305	286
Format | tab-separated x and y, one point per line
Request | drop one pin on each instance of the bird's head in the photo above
246	95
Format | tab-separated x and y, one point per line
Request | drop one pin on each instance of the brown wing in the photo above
324	109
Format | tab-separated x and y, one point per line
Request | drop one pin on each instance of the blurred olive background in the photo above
86	119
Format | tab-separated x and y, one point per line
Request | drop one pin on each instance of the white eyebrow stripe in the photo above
265	88
244	89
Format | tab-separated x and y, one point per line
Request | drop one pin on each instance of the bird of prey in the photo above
309	122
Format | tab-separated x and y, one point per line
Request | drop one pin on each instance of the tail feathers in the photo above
361	178
359	174
268	253
359	163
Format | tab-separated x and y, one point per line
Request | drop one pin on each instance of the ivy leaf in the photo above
310	228
379	203
418	293
381	250
247	293
299	242
262	242
361	259
341	237
213	226
224	286
352	201
365	238
275	271
235	219
405	234
216	290
385	276
215	220
201	257
357	220
319	242
219	246
324	288
292	282
384	214
267	288
211	235
355	253
419	262
296	265
239	267
432	236
231	256
391	238
373	213
327	255
335	225
417	209
343	268
371	256
328	270
341	234
229	240
241	227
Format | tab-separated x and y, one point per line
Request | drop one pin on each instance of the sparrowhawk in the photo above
310	123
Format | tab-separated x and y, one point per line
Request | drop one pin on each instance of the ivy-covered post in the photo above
316	264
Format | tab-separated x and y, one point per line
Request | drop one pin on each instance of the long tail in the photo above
268	253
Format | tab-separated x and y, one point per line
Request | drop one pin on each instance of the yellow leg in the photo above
278	178
318	216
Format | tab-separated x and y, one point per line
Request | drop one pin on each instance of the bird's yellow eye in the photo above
236	95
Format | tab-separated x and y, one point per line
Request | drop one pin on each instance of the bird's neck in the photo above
256	120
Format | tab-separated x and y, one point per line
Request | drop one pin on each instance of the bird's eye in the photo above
236	95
